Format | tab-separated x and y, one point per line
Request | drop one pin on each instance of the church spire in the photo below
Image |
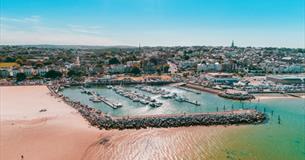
232	45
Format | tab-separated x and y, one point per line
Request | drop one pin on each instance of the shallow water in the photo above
258	142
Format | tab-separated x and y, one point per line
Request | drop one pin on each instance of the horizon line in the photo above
152	46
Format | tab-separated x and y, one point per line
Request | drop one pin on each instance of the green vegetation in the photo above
20	77
135	70
53	74
114	60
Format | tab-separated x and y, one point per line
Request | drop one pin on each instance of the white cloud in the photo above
31	19
37	33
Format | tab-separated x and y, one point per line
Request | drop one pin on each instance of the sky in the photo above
258	23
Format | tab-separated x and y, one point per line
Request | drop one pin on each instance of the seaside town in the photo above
152	80
231	72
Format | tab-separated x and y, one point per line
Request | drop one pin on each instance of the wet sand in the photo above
61	133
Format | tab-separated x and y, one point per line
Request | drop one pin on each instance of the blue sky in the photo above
278	23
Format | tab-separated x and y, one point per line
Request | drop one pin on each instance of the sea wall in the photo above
237	97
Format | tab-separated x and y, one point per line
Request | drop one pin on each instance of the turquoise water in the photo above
209	102
258	142
272	140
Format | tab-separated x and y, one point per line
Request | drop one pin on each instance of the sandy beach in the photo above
270	96
61	133
58	133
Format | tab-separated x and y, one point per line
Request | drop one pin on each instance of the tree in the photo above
114	60
135	70
20	77
75	73
53	74
186	57
19	61
165	68
10	59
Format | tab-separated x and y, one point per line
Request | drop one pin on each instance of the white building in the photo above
214	67
120	68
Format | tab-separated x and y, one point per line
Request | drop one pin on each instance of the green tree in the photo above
20	77
75	73
10	59
165	68
53	74
19	61
135	70
114	60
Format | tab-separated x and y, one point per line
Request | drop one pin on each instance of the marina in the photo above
96	98
152	90
139	102
98	119
136	97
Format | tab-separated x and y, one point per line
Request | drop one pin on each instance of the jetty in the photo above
183	99
96	98
109	103
136	97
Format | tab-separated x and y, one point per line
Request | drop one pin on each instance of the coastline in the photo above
62	133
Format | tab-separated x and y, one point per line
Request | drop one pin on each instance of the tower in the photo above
77	61
232	45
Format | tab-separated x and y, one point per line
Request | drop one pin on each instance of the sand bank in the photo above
61	133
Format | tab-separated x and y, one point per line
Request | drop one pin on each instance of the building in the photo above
115	69
204	67
287	79
132	63
172	68
221	78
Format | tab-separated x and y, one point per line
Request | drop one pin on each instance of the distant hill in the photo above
73	46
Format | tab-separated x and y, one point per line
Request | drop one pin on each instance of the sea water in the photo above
281	137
